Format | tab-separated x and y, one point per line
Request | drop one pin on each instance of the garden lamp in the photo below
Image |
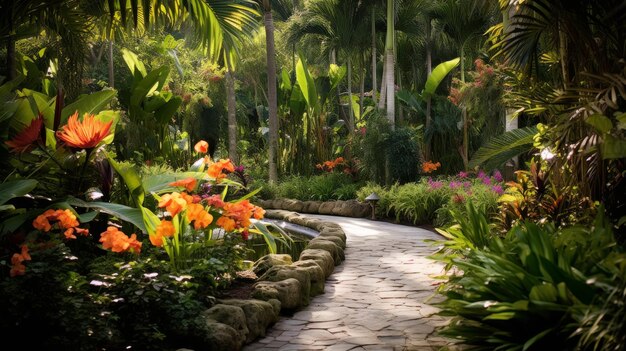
372	199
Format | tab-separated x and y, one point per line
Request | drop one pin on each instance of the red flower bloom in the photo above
25	139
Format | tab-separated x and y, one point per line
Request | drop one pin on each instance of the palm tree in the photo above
390	86
465	22
337	23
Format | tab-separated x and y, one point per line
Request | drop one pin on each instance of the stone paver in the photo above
377	299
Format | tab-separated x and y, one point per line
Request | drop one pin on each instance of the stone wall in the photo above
284	285
348	208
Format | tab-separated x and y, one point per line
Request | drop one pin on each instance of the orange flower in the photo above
156	240
428	166
175	202
25	139
226	223
188	183
165	228
215	201
85	134
42	222
117	241
65	219
216	169
200	217
258	212
17	267
201	147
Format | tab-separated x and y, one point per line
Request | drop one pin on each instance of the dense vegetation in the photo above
503	122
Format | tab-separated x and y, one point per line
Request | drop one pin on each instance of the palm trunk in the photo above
429	69
232	115
374	75
389	64
383	86
350	109
362	86
111	70
271	93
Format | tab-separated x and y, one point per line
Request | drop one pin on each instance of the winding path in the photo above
377	299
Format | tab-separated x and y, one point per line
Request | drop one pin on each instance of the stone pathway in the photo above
377	299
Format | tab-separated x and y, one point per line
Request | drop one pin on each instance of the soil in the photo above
241	287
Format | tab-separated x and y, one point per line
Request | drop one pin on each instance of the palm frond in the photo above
504	147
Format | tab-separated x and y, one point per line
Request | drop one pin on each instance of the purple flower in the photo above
240	169
486	180
454	184
497	189
481	175
497	176
462	174
434	184
467	184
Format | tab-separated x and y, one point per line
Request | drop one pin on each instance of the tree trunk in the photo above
429	70
271	93
11	59
232	114
374	75
111	70
350	109
362	87
383	85
389	64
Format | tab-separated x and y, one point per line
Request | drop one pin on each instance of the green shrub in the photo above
372	145
418	202
403	156
382	207
529	289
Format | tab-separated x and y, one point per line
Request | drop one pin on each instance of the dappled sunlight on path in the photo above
378	299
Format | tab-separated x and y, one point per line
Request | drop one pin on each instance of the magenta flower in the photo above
497	189
481	175
462	174
486	180
497	176
455	185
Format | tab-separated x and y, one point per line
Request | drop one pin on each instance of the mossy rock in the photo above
287	291
318	278
292	205
232	316
323	258
326	208
322	244
266	262
259	315
303	276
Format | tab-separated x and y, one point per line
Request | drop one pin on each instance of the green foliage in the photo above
403	155
371	148
324	187
418	202
529	289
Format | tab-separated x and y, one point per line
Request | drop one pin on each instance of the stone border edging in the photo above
344	208
282	286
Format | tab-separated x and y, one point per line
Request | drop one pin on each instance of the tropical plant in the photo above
537	277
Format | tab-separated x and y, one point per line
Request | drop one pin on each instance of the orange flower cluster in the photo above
187	183
216	169
175	202
164	229
237	215
65	219
17	267
199	216
117	241
329	166
429	167
85	134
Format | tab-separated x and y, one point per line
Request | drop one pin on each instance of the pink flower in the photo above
497	189
497	176
462	174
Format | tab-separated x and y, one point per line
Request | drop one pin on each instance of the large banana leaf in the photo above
92	104
307	84
504	147
125	213
438	74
